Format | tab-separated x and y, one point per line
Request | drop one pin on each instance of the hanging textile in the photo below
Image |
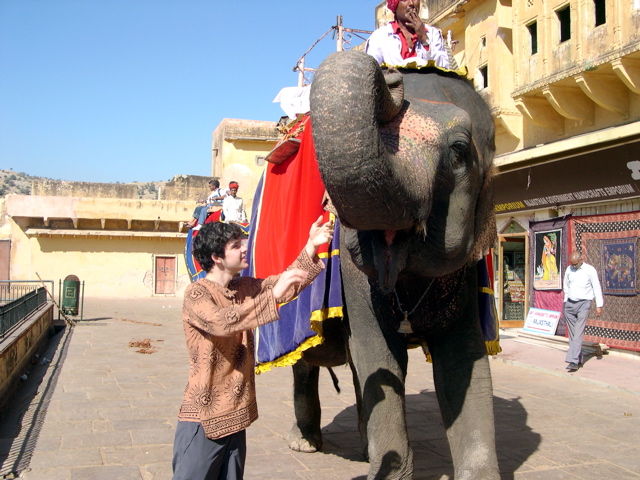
596	237
288	200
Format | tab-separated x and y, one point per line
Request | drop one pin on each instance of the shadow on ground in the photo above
515	441
22	420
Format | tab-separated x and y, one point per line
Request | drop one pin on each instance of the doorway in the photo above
513	298
164	274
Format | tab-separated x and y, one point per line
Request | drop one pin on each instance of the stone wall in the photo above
181	187
64	188
19	347
186	187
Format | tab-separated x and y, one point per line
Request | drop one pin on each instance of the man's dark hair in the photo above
211	240
215	183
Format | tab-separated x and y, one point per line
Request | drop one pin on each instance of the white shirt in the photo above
582	284
218	192
385	45
233	210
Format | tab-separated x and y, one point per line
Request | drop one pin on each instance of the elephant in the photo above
406	157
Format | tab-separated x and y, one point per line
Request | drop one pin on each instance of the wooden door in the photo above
165	275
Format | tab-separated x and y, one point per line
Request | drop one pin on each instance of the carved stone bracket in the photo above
540	113
570	102
628	70
512	123
605	90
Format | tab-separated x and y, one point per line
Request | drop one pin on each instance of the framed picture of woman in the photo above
547	275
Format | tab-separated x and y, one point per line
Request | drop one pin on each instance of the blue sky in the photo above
131	90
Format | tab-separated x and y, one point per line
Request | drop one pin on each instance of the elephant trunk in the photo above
350	100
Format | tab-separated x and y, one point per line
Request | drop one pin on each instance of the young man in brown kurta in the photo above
219	314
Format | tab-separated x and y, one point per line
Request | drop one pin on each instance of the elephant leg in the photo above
305	435
380	359
362	425
463	386
383	410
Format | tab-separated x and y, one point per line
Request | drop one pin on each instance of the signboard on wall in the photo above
607	174
543	322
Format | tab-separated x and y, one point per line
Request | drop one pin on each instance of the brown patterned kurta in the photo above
218	325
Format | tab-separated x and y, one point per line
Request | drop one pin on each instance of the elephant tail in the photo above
334	377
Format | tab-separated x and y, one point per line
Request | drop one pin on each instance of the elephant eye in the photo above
459	153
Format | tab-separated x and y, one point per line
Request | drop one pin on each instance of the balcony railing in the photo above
18	300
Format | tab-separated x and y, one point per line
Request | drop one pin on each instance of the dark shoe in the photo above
573	367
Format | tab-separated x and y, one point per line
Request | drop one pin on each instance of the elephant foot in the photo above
306	443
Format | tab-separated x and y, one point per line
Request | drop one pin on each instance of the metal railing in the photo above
18	299
12	313
11	290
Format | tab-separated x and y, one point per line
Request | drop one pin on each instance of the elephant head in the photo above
406	158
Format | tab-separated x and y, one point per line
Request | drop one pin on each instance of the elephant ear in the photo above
485	220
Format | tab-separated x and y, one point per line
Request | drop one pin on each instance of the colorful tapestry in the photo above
548	252
619	266
288	200
619	325
487	305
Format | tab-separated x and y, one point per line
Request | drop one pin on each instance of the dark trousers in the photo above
576	314
196	457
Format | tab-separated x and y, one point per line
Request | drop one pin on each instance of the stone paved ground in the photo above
105	411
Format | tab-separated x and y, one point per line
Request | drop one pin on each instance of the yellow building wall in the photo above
587	83
34	206
238	151
240	165
110	267
111	262
558	71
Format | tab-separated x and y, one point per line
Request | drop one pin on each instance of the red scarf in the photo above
406	51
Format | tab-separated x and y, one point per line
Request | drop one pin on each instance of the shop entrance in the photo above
513	298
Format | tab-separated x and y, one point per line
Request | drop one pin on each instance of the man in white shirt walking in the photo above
581	286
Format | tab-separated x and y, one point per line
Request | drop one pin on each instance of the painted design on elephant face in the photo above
408	132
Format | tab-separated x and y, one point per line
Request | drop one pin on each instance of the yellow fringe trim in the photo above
462	71
317	317
493	347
